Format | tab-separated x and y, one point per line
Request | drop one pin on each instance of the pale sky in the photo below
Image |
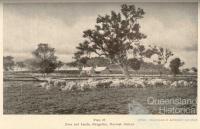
172	26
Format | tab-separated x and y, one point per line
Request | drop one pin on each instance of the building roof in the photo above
65	67
87	68
99	69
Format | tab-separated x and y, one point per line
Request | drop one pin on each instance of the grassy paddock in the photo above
26	98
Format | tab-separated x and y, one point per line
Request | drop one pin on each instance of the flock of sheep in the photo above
113	83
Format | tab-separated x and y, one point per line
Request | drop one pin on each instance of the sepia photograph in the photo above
105	58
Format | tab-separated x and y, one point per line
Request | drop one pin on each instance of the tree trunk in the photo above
160	70
125	71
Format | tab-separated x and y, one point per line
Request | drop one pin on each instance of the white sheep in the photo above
166	83
116	83
129	83
48	87
174	84
43	84
69	86
93	84
56	82
139	83
180	83
192	83
83	85
156	82
186	84
101	84
59	83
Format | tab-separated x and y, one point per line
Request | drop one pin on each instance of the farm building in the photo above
88	71
66	68
99	70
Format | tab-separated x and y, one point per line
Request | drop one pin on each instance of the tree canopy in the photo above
90	62
114	37
135	63
175	64
45	60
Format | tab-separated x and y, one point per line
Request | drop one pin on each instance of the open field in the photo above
24	97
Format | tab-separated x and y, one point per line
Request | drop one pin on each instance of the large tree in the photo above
45	59
8	63
163	55
115	36
175	64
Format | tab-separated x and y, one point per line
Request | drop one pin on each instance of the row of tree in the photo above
9	63
44	60
116	37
